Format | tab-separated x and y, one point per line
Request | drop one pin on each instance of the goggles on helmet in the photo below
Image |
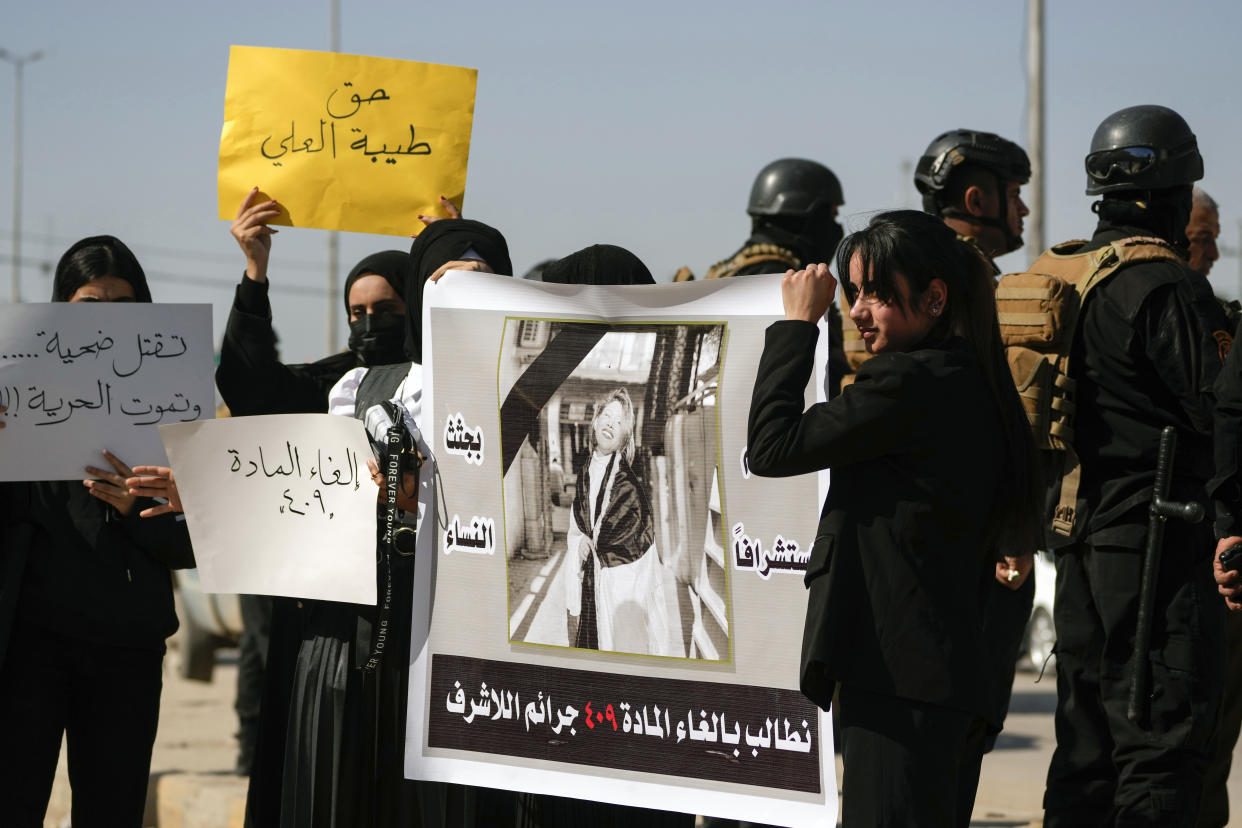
1130	162
1125	161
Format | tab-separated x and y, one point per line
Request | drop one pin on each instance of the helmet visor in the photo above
1126	162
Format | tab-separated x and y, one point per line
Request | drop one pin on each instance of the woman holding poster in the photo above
86	603
341	721
932	478
616	594
629	535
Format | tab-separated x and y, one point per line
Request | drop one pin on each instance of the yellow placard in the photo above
344	142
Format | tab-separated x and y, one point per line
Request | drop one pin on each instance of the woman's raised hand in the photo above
155	481
110	486
253	235
449	207
807	293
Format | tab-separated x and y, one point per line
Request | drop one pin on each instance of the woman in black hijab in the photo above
599	264
98	258
252	380
448	244
86	604
375	302
342	756
251	377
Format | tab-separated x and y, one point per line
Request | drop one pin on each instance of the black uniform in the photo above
1149	348
1226	492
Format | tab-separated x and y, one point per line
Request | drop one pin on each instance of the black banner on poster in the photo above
702	730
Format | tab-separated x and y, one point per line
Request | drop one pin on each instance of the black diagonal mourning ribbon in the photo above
519	414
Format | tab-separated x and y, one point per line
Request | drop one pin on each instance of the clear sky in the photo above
638	123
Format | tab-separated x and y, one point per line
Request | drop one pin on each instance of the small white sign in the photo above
279	505
80	377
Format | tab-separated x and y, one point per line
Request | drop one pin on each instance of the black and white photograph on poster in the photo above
613	533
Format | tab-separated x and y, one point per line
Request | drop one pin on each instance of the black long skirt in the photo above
331	747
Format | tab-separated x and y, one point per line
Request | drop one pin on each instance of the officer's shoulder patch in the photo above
1224	342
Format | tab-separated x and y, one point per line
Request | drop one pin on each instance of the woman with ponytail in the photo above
932	480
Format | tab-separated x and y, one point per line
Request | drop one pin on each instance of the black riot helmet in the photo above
999	156
794	187
961	149
1142	148
793	203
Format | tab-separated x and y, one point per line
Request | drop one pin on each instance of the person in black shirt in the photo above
252	380
250	377
1147	349
90	602
931	460
973	181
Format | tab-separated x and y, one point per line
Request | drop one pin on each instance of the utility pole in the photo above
334	242
19	62
1035	125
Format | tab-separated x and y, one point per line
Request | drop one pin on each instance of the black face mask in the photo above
378	338
820	237
827	244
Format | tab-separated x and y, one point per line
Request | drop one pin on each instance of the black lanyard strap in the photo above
400	455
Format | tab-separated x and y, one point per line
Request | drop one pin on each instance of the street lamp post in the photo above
19	62
334	238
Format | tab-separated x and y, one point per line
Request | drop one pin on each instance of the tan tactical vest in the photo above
1038	311
751	254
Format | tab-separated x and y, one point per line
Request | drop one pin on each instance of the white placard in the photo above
693	706
279	505
80	377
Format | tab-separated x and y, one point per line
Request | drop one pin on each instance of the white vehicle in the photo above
208	622
1041	635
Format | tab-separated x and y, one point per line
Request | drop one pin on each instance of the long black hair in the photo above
920	248
93	258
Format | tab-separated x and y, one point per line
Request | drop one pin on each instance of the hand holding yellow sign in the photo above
345	142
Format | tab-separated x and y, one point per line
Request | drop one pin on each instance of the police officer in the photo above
973	181
1149	344
793	208
1202	232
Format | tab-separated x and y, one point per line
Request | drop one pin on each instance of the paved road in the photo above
195	736
1011	786
197	725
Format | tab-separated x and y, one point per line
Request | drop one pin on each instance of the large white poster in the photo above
279	505
616	602
80	377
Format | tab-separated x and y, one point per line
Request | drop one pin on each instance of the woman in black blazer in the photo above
932	464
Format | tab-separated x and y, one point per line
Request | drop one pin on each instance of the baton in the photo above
1158	513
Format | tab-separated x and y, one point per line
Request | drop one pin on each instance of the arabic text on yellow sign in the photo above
344	142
